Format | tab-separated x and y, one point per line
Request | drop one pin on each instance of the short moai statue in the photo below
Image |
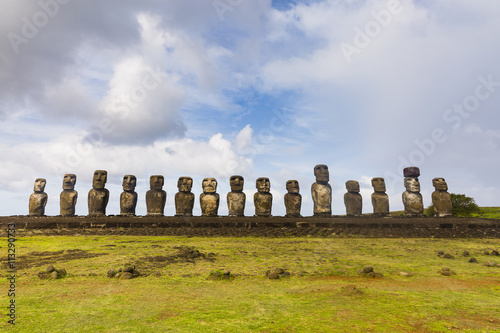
38	199
68	195
209	199
184	199
128	198
380	199
441	199
98	196
156	197
236	199
352	199
263	199
412	199
321	192
293	199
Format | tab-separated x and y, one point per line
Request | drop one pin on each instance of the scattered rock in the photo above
54	275
129	272
52	272
491	264
473	260
111	273
446	271
440	253
277	273
406	273
126	275
273	276
448	256
369	272
495	253
220	274
50	269
486	253
368	269
466	254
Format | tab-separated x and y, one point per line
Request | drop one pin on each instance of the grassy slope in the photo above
182	299
486	212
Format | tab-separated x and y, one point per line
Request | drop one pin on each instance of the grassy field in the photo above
324	293
486	213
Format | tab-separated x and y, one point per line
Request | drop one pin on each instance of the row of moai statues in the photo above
321	193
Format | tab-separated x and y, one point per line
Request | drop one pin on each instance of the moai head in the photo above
129	182
378	184
184	184
236	183
209	185
156	182
412	184
440	184
69	181
263	185
292	186
39	186
322	174
99	180
352	186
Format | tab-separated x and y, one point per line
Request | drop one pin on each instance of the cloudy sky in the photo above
260	88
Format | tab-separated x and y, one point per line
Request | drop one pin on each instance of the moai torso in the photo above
68	196
352	199
128	198
321	192
209	199
441	199
263	200
98	196
156	197
380	200
293	200
38	199
236	199
184	199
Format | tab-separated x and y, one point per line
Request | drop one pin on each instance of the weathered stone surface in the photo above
111	273
411	172
128	198
263	200
126	275
236	199
156	197
412	199
98	196
50	269
209	199
352	199
68	196
38	199
380	200
321	192
441	199
473	260
293	200
184	199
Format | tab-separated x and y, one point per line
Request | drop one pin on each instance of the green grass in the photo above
179	297
489	213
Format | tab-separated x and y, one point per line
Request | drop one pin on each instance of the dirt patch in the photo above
38	259
184	254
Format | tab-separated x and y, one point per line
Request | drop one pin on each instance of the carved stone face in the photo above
412	184
263	185
39	185
292	186
236	183
69	181
184	184
99	180
129	182
352	186
209	185
440	184
322	174
156	182
378	184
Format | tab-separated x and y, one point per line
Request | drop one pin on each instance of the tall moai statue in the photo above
38	199
68	195
352	199
209	199
412	199
263	199
156	196
441	199
293	199
98	196
236	199
380	199
321	192
128	198
184	199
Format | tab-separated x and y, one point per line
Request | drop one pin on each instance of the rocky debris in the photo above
52	273
473	260
129	272
446	271
277	273
220	274
441	254
351	290
466	254
369	272
491	264
406	274
495	253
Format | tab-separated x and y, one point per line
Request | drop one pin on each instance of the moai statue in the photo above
156	197
352	199
236	198
128	198
209	199
412	199
98	195
263	200
380	200
184	199
293	200
441	199
38	199
321	192
68	195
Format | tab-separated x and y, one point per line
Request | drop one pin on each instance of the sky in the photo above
260	88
